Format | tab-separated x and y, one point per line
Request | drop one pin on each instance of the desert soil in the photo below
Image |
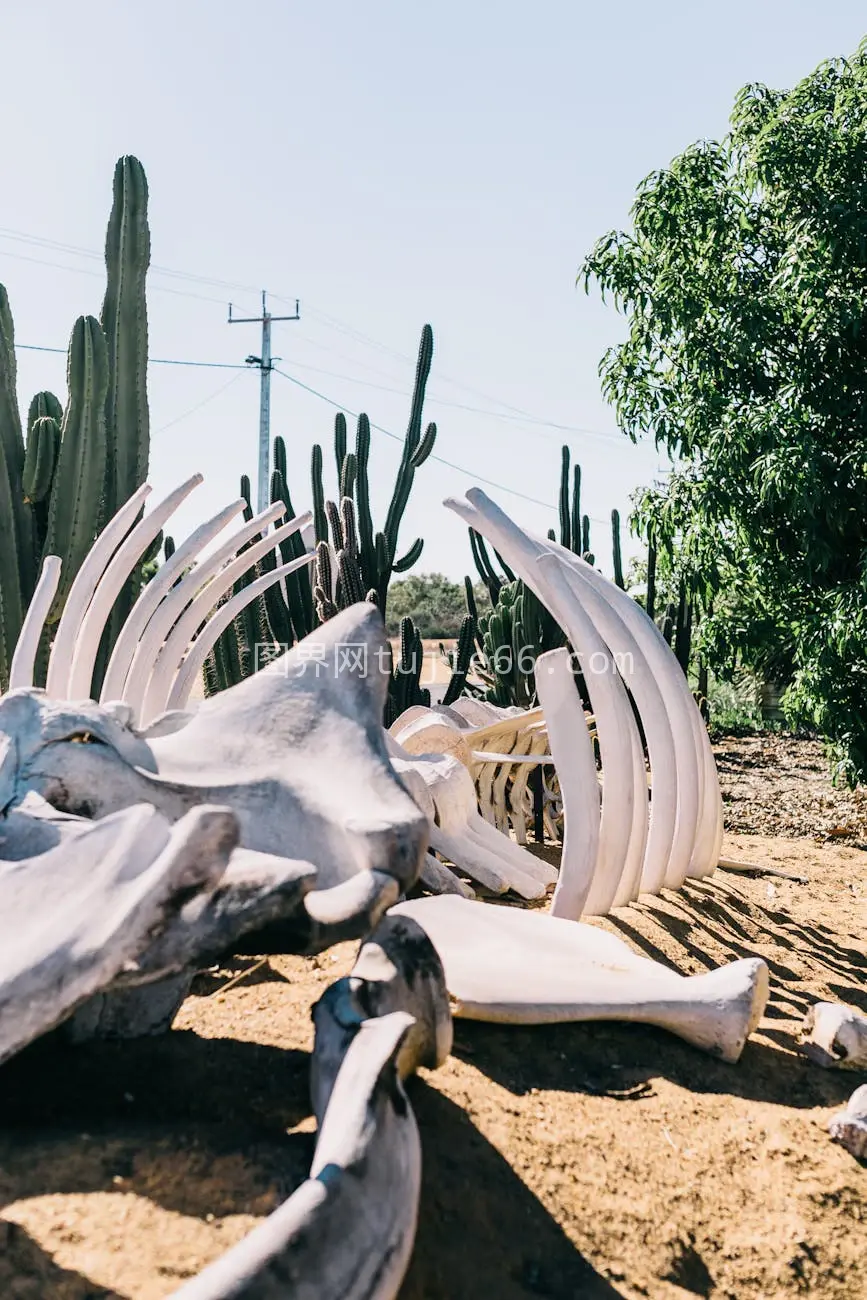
578	1161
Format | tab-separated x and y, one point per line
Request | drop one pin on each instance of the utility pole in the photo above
266	364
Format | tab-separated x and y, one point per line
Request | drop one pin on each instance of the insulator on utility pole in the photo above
265	362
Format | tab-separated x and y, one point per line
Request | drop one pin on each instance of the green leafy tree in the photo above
744	283
436	606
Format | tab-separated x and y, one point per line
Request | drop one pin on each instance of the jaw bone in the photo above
75	917
347	1232
510	966
835	1036
296	751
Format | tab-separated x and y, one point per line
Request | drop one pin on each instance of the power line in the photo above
154	361
501	487
199	405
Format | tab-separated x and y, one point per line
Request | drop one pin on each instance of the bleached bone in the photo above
696	770
168	661
297	752
198	652
511	966
438	879
347	1232
177	600
849	1126
81	592
621	831
458	832
835	1036
74	917
153	593
686	822
573	753
115	576
24	658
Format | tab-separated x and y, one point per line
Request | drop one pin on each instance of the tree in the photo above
436	605
744	281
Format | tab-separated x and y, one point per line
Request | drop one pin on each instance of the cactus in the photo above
460	661
84	461
615	544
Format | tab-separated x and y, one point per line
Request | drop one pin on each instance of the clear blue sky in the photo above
389	163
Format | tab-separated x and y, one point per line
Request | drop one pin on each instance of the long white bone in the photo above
573	752
24	658
81	593
111	583
176	601
153	593
511	966
169	659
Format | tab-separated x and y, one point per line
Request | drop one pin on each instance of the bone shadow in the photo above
69	1128
589	1058
474	1210
27	1272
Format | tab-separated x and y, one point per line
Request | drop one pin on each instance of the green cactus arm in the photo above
78	479
348	527
408	560
405	472
367	545
339	443
551	535
425	447
44	403
504	566
280	457
17	546
350	587
585	534
462	660
40	458
650	598
168	548
576	509
320	520
565	520
124	323
471	599
246	494
347	474
615	544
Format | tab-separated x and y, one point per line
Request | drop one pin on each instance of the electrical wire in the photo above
198	406
462	469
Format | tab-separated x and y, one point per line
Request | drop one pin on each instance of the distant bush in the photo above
436	605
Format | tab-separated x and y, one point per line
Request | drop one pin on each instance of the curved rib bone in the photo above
153	593
511	966
176	601
24	658
168	661
347	1232
111	583
81	593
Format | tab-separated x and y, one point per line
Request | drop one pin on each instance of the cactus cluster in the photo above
71	469
354	561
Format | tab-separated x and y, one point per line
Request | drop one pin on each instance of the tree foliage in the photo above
436	606
744	283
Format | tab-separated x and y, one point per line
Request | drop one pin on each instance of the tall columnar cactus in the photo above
615	546
80	463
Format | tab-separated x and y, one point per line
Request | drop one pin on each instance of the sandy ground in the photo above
577	1161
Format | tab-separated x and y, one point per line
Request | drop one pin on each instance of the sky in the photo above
388	164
